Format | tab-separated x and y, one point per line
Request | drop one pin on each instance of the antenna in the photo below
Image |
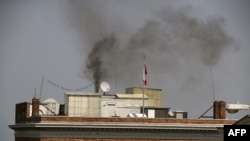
105	87
115	82
34	92
41	88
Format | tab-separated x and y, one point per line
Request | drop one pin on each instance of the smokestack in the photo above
219	109
35	106
97	86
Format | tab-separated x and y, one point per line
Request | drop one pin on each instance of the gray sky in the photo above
53	39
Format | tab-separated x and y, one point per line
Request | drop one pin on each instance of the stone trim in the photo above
97	130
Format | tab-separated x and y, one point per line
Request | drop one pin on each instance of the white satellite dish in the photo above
170	113
105	86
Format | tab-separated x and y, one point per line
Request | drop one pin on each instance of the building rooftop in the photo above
88	116
65	119
132	96
243	121
82	93
81	128
155	89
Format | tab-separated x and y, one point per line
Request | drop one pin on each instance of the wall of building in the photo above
135	102
154	95
118	131
119	107
109	107
79	104
82	104
60	128
23	111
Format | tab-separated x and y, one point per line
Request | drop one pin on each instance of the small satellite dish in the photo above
170	113
105	86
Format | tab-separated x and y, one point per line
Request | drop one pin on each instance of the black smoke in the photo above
95	63
171	37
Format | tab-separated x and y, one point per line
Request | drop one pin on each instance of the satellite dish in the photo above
170	113
105	86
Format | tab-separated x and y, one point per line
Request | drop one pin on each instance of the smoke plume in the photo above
95	62
172	37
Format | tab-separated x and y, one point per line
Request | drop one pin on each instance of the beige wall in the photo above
154	95
82	105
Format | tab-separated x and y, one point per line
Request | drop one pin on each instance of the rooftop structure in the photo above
94	117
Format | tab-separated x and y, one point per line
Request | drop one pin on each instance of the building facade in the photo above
95	117
59	128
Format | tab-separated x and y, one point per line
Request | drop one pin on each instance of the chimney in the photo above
35	106
219	109
222	110
22	112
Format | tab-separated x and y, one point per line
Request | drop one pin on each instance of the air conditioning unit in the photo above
136	115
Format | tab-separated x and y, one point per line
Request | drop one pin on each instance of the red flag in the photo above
145	72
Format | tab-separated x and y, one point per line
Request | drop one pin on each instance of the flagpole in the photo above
143	102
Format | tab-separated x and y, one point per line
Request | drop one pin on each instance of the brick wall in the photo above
22	112
135	120
219	109
27	139
35	106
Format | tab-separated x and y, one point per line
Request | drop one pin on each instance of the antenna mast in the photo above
41	87
115	82
143	102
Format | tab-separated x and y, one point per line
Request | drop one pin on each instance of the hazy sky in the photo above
181	39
